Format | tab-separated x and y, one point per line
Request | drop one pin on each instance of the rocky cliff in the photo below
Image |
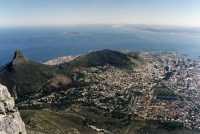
10	120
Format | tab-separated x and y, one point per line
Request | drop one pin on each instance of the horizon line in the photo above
106	24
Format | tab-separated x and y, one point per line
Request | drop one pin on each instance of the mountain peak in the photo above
18	58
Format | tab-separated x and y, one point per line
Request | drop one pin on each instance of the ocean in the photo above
44	43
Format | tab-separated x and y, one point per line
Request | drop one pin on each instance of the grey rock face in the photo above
10	120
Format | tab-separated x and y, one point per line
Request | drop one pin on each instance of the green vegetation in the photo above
62	122
172	125
163	92
52	122
101	58
26	78
77	117
156	127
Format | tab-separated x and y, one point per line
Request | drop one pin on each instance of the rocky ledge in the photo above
10	119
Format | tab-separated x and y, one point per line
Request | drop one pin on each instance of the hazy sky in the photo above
63	12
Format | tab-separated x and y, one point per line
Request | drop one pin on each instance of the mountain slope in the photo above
26	78
101	58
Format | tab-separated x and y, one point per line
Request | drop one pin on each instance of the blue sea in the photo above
43	43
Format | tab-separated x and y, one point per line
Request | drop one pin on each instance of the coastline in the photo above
59	60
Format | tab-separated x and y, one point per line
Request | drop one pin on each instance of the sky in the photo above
72	12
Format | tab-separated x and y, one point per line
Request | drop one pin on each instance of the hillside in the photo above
27	78
101	58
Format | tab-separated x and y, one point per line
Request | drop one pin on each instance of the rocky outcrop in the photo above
18	58
10	120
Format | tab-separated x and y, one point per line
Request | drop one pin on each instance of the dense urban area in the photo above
107	92
165	87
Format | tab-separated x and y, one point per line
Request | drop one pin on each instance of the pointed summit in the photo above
18	58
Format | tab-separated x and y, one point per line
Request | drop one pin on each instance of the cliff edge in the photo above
10	119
